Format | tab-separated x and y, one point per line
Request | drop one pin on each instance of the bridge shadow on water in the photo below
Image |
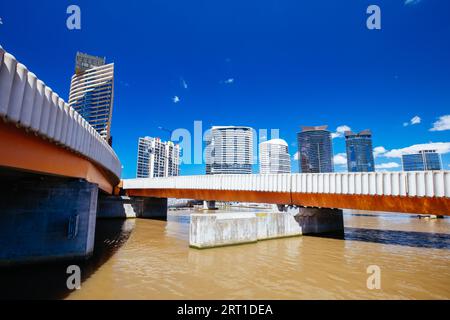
401	238
48	280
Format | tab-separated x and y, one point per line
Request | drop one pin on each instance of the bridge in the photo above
56	171
41	133
54	168
425	192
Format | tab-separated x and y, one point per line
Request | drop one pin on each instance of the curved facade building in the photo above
274	157
315	150
92	92
230	150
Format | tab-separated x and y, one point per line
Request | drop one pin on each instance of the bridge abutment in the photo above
44	218
320	221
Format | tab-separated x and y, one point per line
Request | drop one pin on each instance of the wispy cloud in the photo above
184	84
296	156
340	159
413	121
440	147
412	2
387	165
229	81
442	124
340	131
176	99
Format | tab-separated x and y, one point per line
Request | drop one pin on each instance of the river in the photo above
151	259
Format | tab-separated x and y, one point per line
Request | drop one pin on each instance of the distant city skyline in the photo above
288	64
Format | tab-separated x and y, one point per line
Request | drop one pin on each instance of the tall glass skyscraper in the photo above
92	92
421	161
230	150
359	151
315	150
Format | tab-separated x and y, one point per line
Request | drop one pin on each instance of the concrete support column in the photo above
154	208
45	218
320	221
119	207
209	205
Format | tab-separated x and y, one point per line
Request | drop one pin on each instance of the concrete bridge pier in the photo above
44	218
124	207
320	221
209	205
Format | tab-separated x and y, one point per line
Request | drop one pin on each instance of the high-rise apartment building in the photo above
157	158
315	150
421	161
230	150
274	157
359	151
92	92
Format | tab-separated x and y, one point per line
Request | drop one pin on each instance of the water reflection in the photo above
148	259
48	280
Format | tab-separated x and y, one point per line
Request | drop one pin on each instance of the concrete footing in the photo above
222	229
123	207
320	221
44	218
209	205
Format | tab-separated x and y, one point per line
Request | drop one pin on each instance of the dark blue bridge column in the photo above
45	218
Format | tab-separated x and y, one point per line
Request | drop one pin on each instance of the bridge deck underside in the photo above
420	205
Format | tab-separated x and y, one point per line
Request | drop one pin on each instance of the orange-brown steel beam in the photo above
422	205
26	151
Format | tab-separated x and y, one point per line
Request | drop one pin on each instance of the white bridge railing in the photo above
28	102
407	184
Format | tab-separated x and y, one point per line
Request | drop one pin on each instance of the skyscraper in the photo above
157	158
421	161
274	157
230	150
359	151
315	150
92	92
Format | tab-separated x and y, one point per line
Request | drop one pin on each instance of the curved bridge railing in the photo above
30	104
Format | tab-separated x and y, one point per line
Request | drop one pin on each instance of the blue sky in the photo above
293	63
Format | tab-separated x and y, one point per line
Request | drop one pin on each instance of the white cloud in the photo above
340	159
442	124
440	147
416	120
296	156
413	121
379	151
229	81
388	165
184	83
412	2
340	131
176	99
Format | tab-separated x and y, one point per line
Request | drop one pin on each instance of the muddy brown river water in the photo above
150	259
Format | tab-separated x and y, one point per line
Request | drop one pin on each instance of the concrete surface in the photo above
221	229
45	218
320	220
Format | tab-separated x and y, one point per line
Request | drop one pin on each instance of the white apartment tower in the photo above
229	150
274	157
157	158
92	92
